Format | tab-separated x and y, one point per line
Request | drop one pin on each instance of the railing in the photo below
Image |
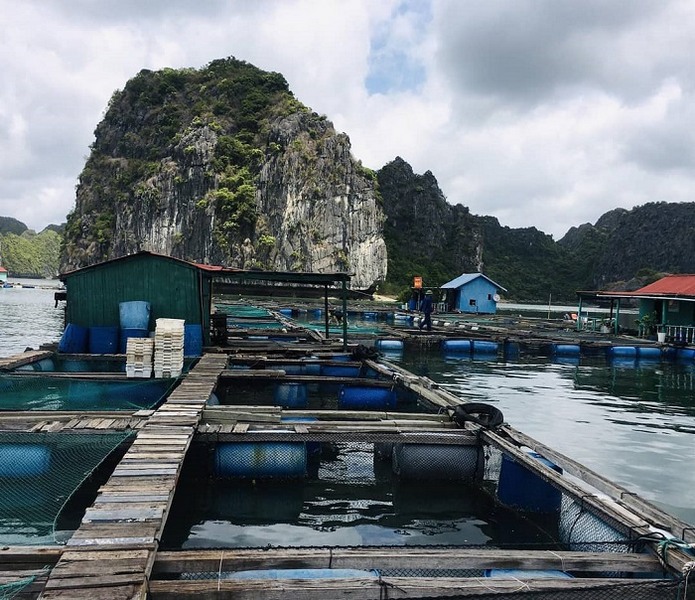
678	333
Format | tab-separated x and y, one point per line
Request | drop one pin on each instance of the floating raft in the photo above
115	552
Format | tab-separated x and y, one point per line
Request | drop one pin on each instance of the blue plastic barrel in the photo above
303	574
685	354
24	460
485	347
261	460
457	346
291	395
130	333
74	339
287	312
526	574
566	349
103	340
389	345
366	398
134	315
340	371
192	340
521	488
623	351
649	353
312	368
370	316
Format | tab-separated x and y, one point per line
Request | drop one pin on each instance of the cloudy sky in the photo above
542	113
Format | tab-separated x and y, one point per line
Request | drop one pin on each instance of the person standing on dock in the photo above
427	307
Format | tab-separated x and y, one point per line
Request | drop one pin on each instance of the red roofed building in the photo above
3	274
667	306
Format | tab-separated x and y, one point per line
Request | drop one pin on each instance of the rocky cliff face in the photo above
224	166
425	234
657	236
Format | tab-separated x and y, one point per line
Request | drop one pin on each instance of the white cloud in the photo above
539	112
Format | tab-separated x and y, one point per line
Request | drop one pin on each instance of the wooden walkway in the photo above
111	554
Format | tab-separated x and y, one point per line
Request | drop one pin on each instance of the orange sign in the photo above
417	282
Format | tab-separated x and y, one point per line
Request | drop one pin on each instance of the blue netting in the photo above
39	473
29	392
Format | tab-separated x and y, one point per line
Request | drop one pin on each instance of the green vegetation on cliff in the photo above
163	115
31	254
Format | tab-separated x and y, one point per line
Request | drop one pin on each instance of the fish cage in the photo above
47	480
20	391
447	505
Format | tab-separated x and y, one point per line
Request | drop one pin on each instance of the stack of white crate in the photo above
138	361
168	347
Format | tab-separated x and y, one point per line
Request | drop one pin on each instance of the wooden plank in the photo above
404	558
647	510
375	588
114	592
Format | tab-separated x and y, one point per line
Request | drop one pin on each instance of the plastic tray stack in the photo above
168	347
138	362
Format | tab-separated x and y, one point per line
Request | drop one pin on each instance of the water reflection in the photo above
632	422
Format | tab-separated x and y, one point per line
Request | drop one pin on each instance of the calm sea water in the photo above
28	316
633	422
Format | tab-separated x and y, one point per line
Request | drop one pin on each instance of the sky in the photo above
543	113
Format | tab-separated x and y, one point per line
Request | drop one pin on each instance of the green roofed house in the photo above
472	293
174	288
666	307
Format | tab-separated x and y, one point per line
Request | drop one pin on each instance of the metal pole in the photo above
325	307
344	315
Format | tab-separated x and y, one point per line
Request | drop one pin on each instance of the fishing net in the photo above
266	491
37	392
39	476
19	586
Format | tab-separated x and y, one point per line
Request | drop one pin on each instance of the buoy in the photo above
303	574
485	347
566	349
521	488
438	461
649	352
521	574
366	398
261	460
457	346
291	395
389	345
623	351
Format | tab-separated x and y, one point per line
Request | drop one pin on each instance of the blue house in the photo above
472	293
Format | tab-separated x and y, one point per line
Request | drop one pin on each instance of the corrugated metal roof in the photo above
467	278
678	285
217	270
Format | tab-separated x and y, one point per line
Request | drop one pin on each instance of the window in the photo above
472	302
489	296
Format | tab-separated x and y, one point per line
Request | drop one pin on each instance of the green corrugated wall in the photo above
173	288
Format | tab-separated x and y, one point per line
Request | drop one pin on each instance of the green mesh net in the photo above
36	392
41	477
18	587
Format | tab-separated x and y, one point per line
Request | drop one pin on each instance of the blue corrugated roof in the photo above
467	278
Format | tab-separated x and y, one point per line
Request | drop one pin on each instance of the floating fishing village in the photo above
321	467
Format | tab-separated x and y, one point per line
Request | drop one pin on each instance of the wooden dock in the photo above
115	553
112	553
